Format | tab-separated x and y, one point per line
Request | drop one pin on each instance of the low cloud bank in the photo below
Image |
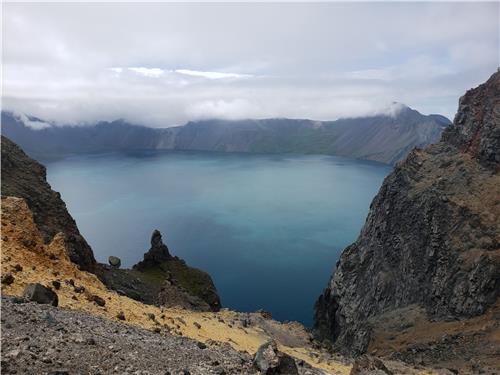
163	64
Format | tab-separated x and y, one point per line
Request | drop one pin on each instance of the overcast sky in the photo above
165	64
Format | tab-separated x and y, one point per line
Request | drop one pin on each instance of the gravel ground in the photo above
40	339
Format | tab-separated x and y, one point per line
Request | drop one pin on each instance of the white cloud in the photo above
392	109
169	63
34	124
211	75
148	72
223	108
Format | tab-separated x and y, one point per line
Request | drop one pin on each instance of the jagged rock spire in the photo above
157	254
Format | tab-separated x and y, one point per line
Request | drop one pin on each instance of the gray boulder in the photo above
269	361
114	262
40	294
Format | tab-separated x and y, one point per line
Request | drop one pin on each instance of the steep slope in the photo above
25	178
95	345
383	138
427	261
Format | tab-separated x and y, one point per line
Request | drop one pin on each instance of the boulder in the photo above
114	262
270	361
99	301
40	294
7	279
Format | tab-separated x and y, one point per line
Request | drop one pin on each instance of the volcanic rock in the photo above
7	279
269	360
40	294
114	261
157	254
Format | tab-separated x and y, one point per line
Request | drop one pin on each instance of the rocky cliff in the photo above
429	251
383	138
25	178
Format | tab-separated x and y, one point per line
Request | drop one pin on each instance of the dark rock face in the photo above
129	283
173	295
40	294
269	361
432	236
25	178
475	129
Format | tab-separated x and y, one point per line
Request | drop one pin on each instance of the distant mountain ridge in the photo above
381	138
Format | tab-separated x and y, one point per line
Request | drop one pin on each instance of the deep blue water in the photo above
267	228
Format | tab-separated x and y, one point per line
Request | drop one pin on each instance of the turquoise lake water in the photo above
267	228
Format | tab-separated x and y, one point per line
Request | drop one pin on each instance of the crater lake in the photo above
267	228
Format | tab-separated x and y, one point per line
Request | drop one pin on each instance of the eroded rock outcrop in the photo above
176	282
163	279
432	236
25	178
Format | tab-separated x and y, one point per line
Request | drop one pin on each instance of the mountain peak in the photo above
396	109
476	128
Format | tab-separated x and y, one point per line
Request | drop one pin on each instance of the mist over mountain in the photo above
385	138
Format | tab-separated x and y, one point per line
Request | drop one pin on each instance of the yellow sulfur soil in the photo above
22	245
